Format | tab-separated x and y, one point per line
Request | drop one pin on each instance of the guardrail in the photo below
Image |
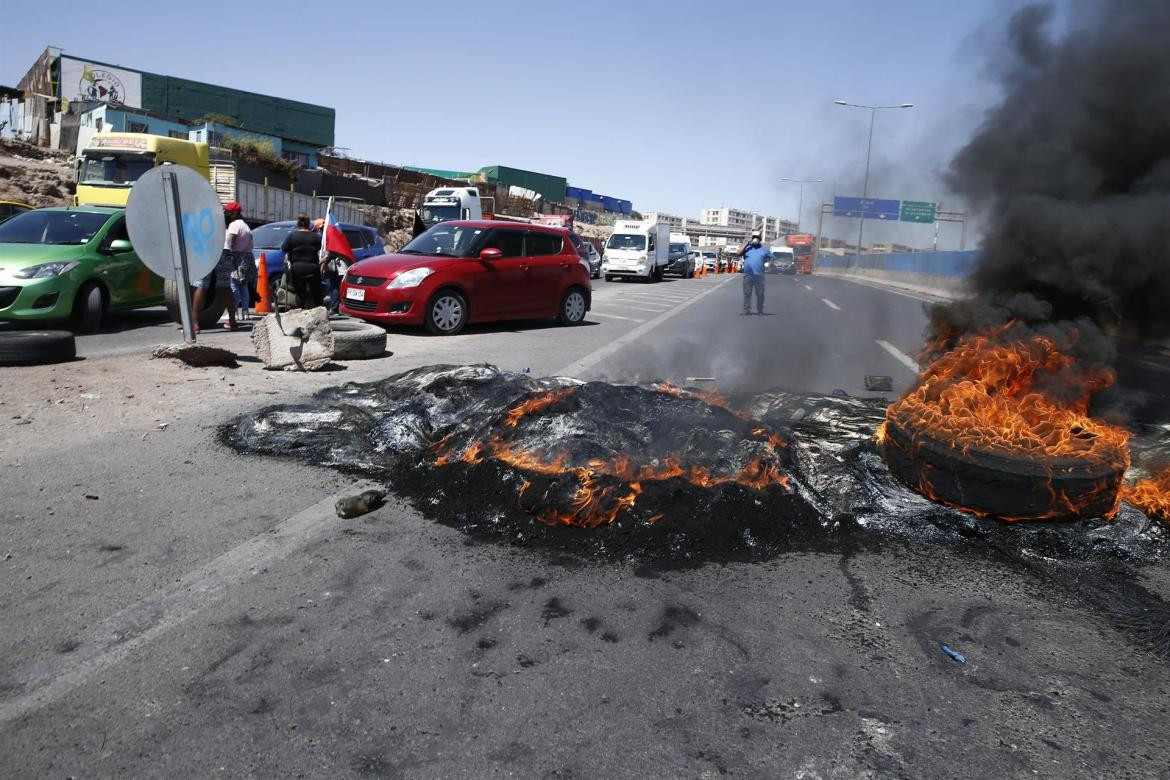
937	273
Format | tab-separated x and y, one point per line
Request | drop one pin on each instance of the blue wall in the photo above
956	264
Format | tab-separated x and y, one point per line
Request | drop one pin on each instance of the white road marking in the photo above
808	288
831	305
578	367
596	313
899	355
120	635
651	305
924	297
653	296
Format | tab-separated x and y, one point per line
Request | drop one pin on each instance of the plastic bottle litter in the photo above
955	656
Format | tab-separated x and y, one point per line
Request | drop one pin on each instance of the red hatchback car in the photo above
460	272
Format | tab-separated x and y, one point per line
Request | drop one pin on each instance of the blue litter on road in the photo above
957	656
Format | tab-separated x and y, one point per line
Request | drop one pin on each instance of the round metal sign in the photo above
151	219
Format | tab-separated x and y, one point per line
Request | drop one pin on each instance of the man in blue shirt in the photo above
754	254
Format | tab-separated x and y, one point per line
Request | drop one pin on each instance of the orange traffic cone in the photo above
265	304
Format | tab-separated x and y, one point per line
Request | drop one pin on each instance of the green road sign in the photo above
917	211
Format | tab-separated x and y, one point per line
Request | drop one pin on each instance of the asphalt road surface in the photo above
172	609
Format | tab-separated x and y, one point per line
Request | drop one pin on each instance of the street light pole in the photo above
800	207
868	150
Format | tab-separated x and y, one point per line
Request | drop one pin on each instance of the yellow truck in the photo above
111	163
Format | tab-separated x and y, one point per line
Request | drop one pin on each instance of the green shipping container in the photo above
189	101
551	188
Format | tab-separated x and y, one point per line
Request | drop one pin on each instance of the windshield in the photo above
444	241
114	169
271	236
432	214
678	249
626	241
801	251
52	227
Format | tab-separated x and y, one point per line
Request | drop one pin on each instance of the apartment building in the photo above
668	219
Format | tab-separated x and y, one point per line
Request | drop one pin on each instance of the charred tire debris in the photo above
832	491
429	434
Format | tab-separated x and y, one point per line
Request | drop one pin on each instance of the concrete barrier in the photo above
942	274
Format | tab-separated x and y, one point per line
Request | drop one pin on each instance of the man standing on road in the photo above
754	255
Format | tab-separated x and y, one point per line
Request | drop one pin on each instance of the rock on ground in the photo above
198	355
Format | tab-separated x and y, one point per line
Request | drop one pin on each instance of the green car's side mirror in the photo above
120	245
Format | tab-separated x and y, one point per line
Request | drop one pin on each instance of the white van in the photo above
782	262
636	249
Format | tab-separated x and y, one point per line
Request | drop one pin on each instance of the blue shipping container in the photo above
591	196
610	204
626	206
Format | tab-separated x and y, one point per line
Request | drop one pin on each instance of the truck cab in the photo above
111	162
448	203
638	249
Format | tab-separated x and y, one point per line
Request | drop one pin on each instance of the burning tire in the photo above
1001	485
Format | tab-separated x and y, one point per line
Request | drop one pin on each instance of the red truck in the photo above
802	251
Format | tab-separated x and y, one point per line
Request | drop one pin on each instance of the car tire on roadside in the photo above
89	308
36	347
609	277
212	309
574	304
446	313
357	340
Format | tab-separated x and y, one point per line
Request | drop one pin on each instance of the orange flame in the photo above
594	504
534	405
987	395
1151	495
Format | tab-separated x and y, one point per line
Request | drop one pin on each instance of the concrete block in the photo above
299	340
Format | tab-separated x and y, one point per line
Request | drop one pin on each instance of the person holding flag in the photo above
336	257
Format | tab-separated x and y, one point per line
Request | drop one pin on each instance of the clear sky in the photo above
673	105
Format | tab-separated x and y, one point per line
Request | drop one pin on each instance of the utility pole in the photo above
800	208
868	149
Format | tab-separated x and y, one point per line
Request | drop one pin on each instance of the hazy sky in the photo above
673	105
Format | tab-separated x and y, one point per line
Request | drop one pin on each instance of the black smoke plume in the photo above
1072	170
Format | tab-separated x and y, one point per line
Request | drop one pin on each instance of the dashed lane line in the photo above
808	288
578	367
608	316
831	305
899	355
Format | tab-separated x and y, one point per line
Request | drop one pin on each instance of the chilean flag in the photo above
333	240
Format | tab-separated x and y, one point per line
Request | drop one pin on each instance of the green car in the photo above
72	262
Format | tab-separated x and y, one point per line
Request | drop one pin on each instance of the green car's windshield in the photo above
445	239
52	227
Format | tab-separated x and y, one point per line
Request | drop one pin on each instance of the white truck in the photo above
636	248
447	203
